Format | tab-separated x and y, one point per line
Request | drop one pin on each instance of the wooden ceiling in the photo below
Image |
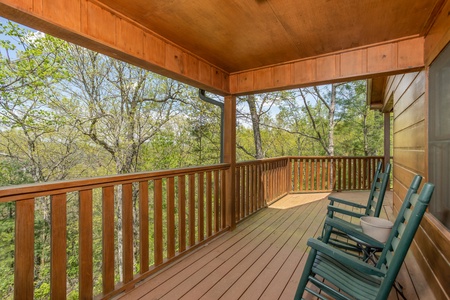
237	35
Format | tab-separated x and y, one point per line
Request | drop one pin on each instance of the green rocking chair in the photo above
343	276
372	208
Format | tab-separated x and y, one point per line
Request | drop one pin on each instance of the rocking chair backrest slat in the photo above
401	228
395	243
377	191
402	235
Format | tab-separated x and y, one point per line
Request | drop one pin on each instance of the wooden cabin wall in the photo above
409	93
431	245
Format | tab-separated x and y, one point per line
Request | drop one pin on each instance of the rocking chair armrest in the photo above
339	210
349	203
342	226
344	258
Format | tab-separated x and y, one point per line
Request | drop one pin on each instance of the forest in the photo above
67	112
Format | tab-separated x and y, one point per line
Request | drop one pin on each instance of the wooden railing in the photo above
259	183
143	221
150	219
326	173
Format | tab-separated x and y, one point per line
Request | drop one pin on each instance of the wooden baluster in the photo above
330	174
182	213
248	206
296	176
209	203
243	192
144	244
364	174
58	247
223	208
158	229
324	173
238	194
257	186
317	176
85	250
127	232
254	189
272	179
24	250
338	177
191	187
307	179
301	183
251	196
216	201
358	174
170	217
108	239
201	206
289	176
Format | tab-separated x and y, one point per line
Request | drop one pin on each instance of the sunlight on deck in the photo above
297	200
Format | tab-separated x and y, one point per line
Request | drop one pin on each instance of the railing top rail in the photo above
265	160
336	157
18	192
261	161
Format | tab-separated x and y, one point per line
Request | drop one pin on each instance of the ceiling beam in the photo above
399	56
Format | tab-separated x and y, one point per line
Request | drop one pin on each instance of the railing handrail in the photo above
261	161
18	192
333	157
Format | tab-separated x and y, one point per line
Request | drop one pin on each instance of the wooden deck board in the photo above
231	258
262	258
266	267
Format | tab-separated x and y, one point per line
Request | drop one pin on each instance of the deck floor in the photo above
263	258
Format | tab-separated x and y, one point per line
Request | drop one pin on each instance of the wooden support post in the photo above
230	157
387	138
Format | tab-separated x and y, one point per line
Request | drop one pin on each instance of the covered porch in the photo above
236	48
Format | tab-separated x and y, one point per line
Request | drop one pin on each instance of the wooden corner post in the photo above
230	157
387	138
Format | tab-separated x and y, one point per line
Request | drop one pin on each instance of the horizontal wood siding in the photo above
432	241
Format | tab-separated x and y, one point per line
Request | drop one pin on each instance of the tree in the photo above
259	107
362	132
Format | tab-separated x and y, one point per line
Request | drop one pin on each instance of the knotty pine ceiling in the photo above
238	35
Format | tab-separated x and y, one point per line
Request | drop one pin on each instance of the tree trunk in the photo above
255	124
331	121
